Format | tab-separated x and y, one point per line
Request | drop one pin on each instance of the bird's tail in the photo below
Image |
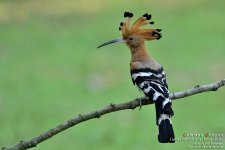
163	121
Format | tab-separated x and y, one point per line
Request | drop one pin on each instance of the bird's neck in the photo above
141	59
139	53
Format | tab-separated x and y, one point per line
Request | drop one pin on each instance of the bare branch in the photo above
23	145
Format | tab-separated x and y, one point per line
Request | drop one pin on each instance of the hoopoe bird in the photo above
146	73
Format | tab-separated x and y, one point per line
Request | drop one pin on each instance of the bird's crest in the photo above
134	35
147	34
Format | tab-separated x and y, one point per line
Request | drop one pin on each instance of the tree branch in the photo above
23	145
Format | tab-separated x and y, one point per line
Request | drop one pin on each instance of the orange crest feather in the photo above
135	29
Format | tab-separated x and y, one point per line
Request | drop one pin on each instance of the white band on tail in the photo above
164	117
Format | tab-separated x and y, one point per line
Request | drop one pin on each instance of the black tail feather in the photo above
166	133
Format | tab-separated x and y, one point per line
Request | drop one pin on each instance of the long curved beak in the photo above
111	42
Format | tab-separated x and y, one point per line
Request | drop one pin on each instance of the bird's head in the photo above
134	35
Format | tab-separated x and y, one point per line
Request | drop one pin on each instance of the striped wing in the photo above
153	84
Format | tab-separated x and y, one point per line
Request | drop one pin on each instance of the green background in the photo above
50	71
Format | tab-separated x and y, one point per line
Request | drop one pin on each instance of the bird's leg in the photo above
140	101
140	104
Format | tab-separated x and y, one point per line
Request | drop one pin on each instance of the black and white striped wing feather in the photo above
153	84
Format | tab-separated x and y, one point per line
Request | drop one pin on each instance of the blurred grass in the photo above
50	70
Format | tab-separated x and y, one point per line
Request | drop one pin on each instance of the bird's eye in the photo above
130	39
